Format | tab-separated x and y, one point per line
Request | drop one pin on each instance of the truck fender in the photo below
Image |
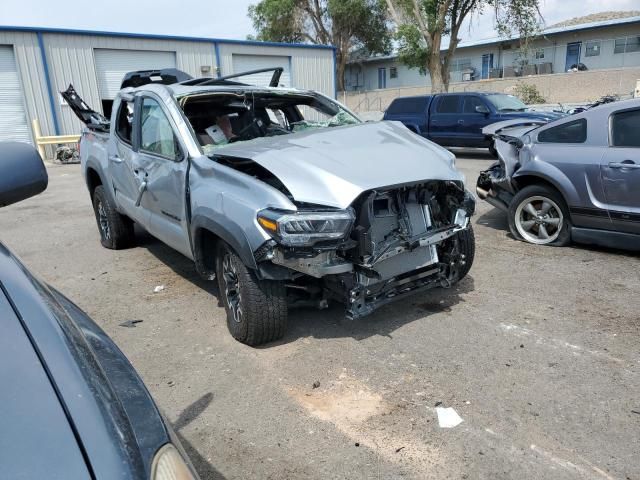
97	168
229	232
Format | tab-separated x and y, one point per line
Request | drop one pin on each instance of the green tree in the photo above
422	24
348	25
529	94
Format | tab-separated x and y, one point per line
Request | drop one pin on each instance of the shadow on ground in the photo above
329	323
494	218
177	262
332	323
198	460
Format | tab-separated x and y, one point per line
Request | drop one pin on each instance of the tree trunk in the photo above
439	79
341	63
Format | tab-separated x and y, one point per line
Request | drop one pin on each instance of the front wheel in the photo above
467	247
538	214
256	309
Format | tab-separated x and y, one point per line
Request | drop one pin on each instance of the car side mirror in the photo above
22	173
482	109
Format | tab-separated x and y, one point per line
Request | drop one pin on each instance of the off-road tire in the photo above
541	192
467	245
116	230
263	303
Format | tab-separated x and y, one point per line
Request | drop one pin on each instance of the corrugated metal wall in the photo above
311	68
31	71
71	60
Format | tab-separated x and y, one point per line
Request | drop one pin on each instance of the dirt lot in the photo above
537	350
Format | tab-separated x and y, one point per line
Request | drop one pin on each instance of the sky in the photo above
222	18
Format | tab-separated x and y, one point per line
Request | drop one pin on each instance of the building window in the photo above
633	44
461	64
627	45
382	78
592	49
540	54
393	72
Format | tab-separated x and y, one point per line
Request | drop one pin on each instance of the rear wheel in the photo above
256	309
116	230
538	214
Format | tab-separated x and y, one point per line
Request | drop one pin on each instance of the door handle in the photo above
143	187
460	122
115	159
624	164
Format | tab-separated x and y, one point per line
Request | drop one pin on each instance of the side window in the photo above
408	105
570	132
470	104
449	104
156	133
124	122
624	129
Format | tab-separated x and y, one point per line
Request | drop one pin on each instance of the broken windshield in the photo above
221	118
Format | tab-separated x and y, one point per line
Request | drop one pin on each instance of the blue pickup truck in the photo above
457	119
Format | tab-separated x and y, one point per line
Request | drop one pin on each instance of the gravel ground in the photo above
537	351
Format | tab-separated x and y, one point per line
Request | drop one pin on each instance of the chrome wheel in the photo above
232	288
103	220
539	220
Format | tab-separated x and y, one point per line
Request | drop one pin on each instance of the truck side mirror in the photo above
482	109
22	173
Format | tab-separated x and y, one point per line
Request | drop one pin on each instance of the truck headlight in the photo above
169	465
306	228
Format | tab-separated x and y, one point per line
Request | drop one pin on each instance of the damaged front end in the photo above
388	243
495	185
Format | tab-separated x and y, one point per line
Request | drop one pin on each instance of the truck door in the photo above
475	116
163	171
444	117
122	162
621	171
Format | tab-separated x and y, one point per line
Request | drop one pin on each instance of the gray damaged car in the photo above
577	178
298	203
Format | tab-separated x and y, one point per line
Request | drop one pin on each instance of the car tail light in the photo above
168	464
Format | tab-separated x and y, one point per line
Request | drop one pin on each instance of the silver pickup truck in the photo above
283	195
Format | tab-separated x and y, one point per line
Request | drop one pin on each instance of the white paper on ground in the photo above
448	417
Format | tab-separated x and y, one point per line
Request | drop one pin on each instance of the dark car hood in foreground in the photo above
332	166
115	423
36	439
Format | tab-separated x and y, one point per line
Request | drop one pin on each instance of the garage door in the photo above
13	118
111	65
244	63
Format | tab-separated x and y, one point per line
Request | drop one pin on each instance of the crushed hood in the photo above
332	166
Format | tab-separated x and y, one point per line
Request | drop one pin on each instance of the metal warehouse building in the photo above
37	63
